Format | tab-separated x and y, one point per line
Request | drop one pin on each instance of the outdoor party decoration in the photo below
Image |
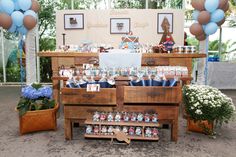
18	16
209	15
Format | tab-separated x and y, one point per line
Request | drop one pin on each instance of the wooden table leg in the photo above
174	130
68	129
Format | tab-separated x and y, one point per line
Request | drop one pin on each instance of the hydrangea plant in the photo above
207	103
35	97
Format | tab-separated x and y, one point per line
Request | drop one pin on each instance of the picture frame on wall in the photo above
120	25
165	19
74	21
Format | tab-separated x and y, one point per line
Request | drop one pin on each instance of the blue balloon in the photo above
12	29
195	14
31	12
211	5
7	6
211	28
17	18
25	4
16	5
22	30
217	15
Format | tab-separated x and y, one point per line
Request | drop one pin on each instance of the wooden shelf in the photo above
122	123
89	54
113	136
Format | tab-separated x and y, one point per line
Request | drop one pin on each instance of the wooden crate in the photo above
154	94
106	96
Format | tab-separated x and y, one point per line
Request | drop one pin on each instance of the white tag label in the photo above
93	87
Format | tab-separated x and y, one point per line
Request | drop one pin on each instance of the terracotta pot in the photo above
39	120
203	126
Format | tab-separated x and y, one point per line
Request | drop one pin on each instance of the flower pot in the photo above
39	120
203	126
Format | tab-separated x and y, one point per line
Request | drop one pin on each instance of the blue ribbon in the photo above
20	46
207	54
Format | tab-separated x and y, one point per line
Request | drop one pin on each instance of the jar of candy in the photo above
96	129
89	129
96	116
104	130
118	128
110	130
155	132
126	116
147	117
148	132
118	117
110	117
131	130
140	117
125	130
154	118
103	116
138	131
133	117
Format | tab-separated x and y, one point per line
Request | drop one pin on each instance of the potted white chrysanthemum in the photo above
206	106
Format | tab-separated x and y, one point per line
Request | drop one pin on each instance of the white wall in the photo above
97	26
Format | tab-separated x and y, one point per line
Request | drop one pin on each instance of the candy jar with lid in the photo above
148	132
118	117
104	130
138	131
96	129
154	118
110	117
125	130
147	117
126	116
131	130
103	116
133	117
89	129
155	132
140	117
118	128
110	130
96	116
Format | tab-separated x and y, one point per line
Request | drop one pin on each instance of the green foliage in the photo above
207	103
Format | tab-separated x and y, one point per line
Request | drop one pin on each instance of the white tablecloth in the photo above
118	58
222	75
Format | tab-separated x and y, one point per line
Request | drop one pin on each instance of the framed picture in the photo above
119	25
74	21
164	20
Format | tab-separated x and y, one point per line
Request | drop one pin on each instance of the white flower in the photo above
198	111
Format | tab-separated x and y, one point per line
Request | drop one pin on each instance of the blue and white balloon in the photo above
30	12
195	14
211	5
25	4
16	5
7	6
22	30
211	28
12	29
17	18
217	15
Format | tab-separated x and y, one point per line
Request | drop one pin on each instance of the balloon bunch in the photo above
18	16
209	14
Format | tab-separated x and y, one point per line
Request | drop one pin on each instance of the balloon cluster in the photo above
18	15
209	14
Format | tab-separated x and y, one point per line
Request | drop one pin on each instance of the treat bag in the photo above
165	82
157	81
103	82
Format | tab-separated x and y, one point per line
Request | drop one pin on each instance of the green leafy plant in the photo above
35	97
207	103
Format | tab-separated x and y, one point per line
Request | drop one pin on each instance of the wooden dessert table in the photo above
79	104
